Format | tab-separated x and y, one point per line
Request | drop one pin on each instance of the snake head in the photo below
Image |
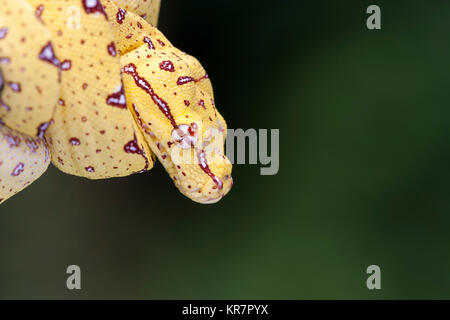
180	123
171	97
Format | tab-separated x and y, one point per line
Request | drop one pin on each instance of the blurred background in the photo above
364	169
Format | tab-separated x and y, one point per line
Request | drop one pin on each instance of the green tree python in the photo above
96	89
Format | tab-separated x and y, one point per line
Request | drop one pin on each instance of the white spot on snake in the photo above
186	136
91	3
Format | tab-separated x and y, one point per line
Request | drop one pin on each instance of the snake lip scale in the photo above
94	88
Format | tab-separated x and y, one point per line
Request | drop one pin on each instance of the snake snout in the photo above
205	182
215	187
215	194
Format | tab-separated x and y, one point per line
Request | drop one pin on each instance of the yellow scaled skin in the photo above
148	9
118	95
88	136
29	99
22	160
156	60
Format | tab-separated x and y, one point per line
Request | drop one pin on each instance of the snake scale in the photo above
94	88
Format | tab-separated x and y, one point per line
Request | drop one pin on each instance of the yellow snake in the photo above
95	88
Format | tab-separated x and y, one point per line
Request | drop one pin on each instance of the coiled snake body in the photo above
95	88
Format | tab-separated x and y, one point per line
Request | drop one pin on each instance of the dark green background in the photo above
364	169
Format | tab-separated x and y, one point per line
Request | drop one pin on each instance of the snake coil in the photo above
97	90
